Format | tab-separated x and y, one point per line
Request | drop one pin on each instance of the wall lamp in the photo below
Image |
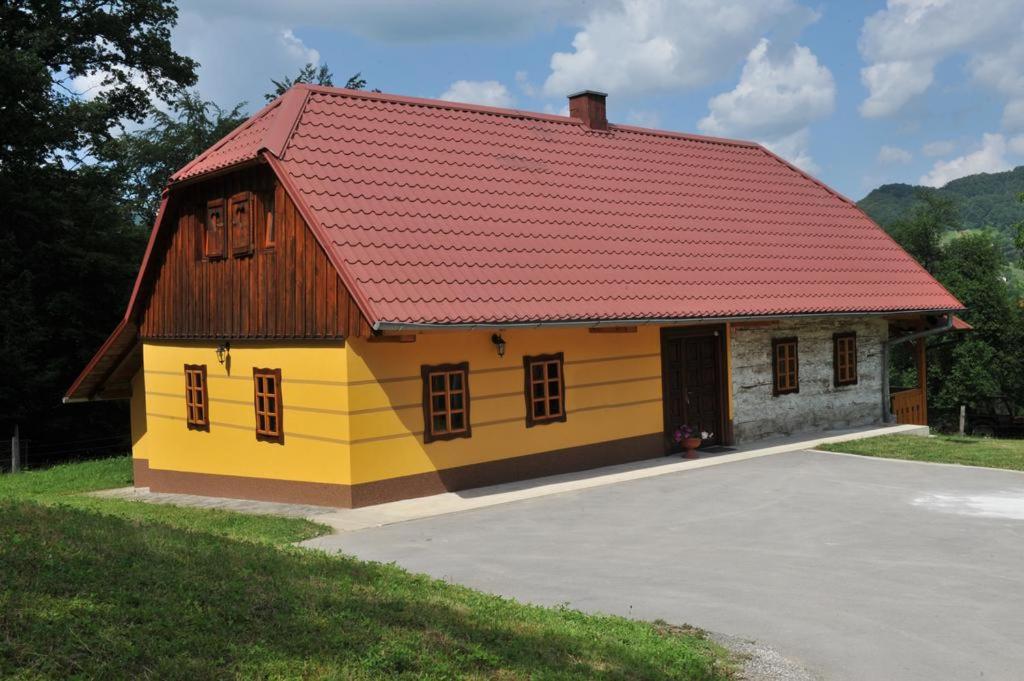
222	350
500	342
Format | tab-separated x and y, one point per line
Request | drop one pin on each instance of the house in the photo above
359	297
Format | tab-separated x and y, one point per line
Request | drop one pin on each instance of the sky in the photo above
857	92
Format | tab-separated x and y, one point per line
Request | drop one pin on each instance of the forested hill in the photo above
983	200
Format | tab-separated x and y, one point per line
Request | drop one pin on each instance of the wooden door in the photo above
692	382
702	386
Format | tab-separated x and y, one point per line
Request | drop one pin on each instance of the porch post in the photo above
922	377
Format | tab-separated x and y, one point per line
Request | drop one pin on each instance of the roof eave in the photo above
649	321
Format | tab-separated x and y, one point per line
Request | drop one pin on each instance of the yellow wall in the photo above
313	395
613	391
354	414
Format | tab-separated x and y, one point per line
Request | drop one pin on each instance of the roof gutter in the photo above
886	399
660	321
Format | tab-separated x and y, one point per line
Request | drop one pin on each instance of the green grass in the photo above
136	591
967	451
67	484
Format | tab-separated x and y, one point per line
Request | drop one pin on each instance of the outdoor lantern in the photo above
500	342
222	351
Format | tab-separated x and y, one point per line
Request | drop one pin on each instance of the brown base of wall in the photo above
406	487
240	487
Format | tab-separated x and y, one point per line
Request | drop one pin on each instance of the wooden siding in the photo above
289	291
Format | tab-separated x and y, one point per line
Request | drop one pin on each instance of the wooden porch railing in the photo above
910	406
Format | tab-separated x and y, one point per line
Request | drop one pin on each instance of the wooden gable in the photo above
256	271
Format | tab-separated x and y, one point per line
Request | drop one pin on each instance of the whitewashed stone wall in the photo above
819	404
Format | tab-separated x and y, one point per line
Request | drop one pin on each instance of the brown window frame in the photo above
788	388
193	418
428	371
529	361
266	434
838	365
208	252
242	237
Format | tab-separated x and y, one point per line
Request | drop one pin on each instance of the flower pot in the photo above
691	444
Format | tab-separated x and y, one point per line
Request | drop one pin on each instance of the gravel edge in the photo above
762	662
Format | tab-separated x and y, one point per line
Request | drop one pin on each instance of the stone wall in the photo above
819	404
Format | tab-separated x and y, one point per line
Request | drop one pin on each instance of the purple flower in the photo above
683	432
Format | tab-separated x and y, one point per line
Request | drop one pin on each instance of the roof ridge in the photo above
282	128
249	122
513	113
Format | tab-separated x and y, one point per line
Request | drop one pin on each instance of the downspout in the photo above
886	401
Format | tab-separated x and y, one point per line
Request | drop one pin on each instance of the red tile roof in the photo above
961	325
443	213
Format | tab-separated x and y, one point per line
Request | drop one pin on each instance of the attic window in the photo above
445	401
545	389
240	213
844	358
213	239
785	366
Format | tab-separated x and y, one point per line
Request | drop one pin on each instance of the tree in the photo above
69	251
921	232
144	159
1018	240
990	360
79	68
311	74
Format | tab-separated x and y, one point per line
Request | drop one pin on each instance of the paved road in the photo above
857	568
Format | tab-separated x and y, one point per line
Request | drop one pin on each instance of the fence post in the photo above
963	417
15	451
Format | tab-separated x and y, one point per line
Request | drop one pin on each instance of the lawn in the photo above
92	590
66	485
967	451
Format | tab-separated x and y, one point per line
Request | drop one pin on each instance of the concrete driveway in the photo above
857	568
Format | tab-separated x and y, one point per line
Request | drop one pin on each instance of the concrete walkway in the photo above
857	568
350	520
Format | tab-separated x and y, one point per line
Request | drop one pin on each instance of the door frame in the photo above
669	333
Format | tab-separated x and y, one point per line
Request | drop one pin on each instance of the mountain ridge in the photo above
983	199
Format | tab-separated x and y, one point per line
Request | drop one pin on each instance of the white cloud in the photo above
242	44
404	20
639	46
904	42
297	49
893	84
938	148
1013	114
523	81
989	158
891	155
644	118
238	55
1016	145
777	97
795	148
486	92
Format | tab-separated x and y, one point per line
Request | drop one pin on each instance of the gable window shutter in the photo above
240	214
213	240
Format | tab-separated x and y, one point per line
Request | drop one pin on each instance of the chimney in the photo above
588	106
